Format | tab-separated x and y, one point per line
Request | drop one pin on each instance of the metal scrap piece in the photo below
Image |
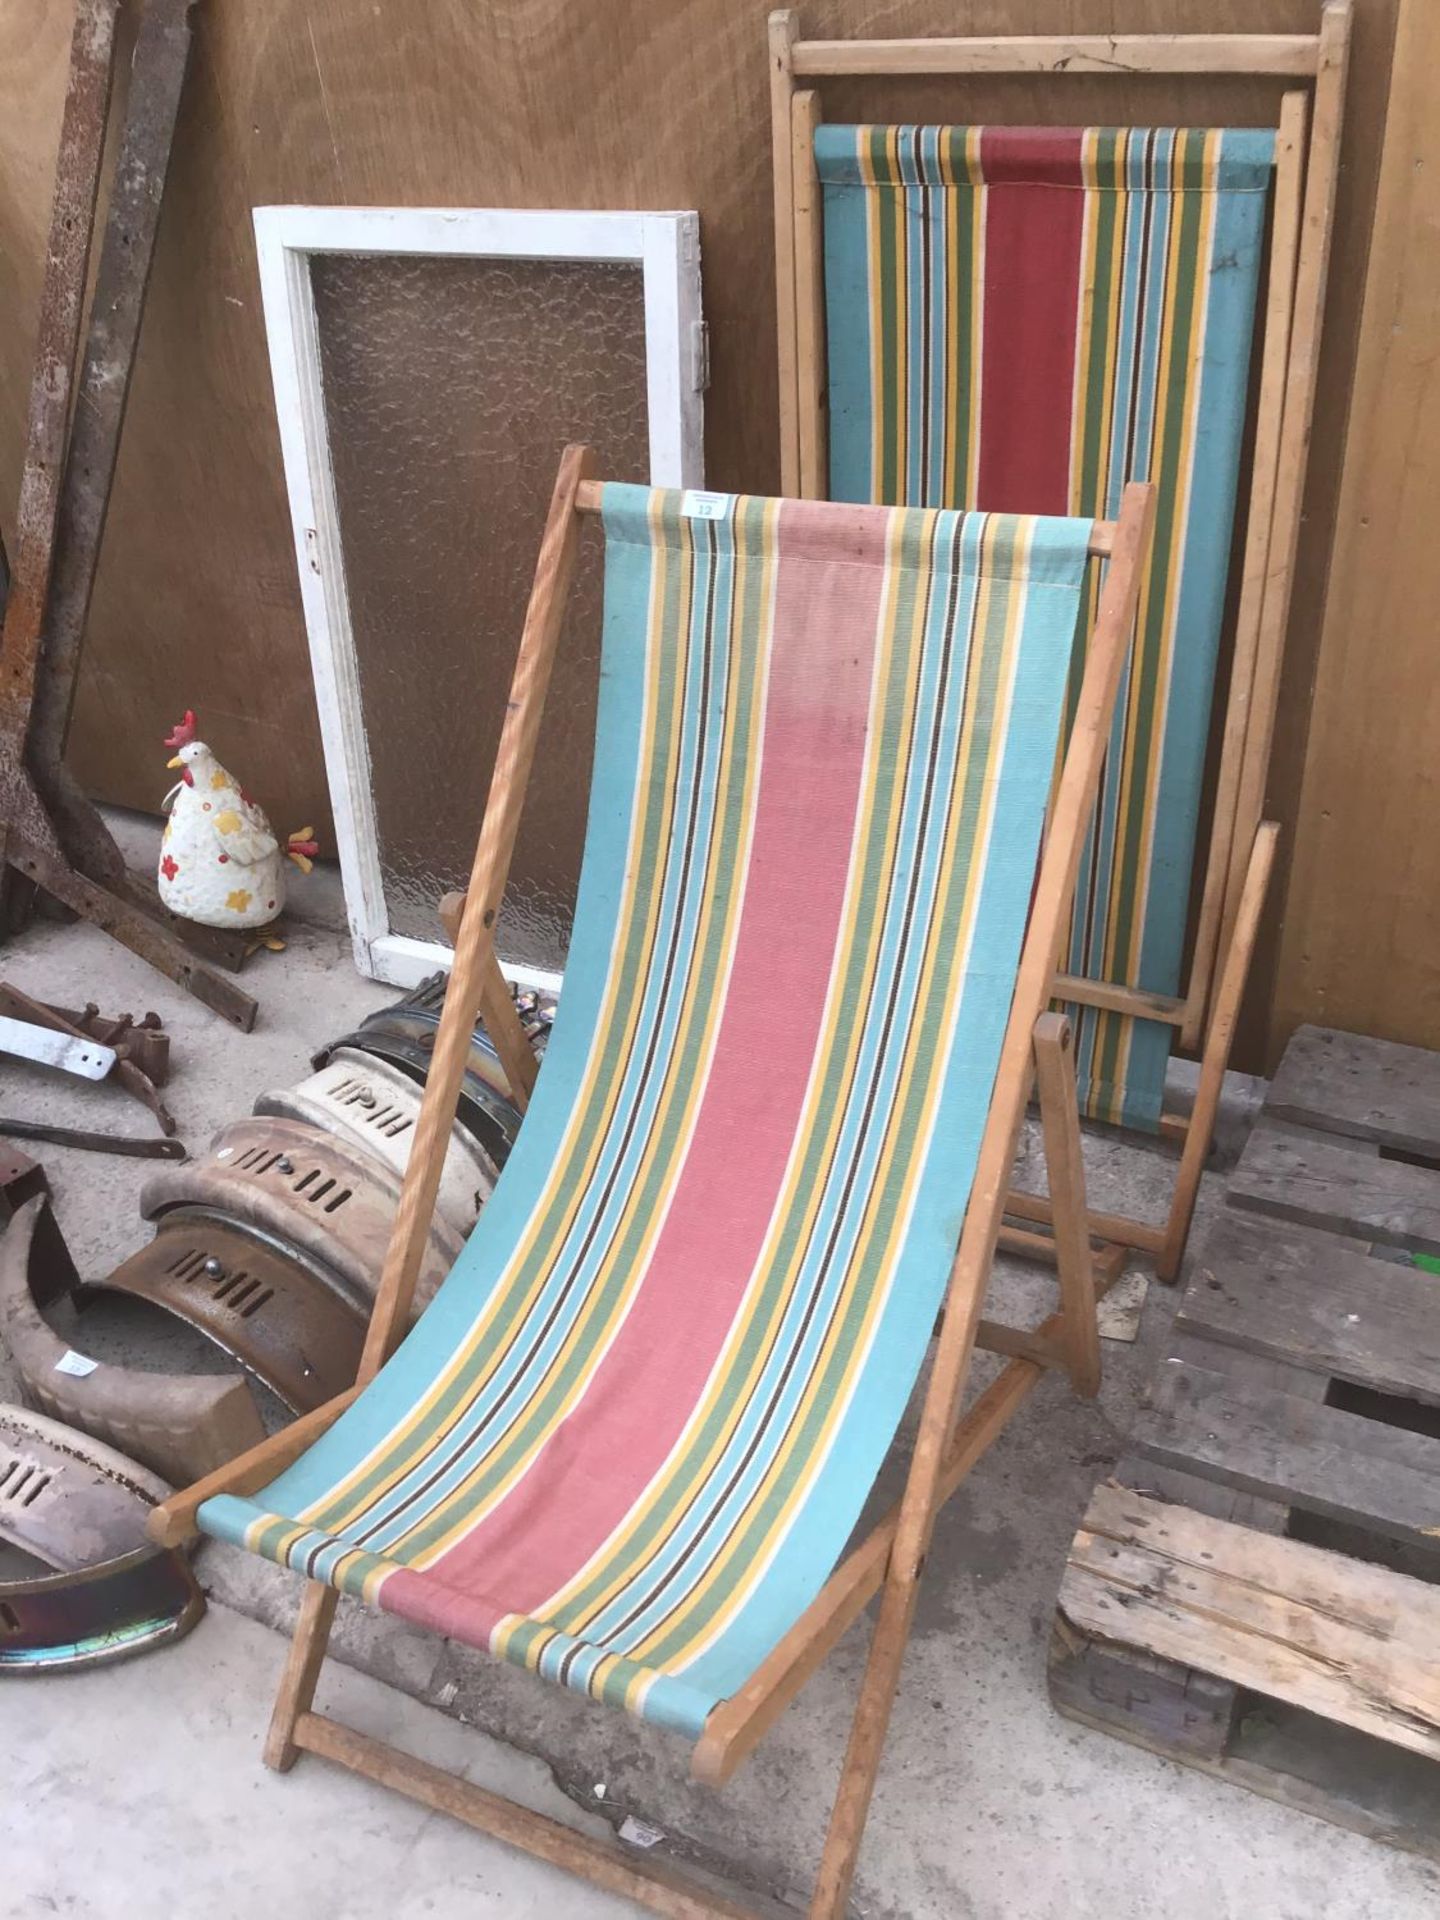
150	1147
406	1038
307	1190
80	1509
62	302
182	1426
278	1314
271	1246
31	850
372	1102
162	50
21	1178
132	1045
46	1047
143	1043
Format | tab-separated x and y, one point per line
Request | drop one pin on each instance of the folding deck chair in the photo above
628	1441
994	316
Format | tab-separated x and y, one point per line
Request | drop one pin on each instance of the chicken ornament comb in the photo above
183	731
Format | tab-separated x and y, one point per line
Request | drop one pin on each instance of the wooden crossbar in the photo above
589	496
1289	55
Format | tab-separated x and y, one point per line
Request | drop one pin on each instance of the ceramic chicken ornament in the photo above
220	862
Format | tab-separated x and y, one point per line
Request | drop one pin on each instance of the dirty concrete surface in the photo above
989	1804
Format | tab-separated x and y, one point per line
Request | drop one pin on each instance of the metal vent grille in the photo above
232	1287
379	1116
22	1481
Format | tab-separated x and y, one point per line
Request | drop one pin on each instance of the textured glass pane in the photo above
451	387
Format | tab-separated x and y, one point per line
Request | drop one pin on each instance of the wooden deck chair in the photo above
984	316
626	1444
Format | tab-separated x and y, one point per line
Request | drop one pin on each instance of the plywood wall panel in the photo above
1361	939
624	103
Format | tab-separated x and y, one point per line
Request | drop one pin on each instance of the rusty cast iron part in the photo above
21	1178
80	1509
66	496
330	1201
404	1034
144	1043
427	1000
373	1103
181	1426
277	1313
271	1246
489	1116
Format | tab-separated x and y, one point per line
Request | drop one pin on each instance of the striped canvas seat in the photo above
628	1440
1029	318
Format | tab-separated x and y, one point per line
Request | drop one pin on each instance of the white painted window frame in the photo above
667	248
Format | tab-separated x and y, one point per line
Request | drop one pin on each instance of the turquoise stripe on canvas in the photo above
1028	318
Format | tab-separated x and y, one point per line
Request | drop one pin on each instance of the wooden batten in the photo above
1345	1640
1322	174
1065	1176
1289	55
1264	473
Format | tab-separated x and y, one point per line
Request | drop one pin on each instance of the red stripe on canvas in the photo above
648	1384
1033	244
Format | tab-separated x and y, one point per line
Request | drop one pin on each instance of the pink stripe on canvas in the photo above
653	1375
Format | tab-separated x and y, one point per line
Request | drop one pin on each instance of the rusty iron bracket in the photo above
90	1026
50	836
143	1042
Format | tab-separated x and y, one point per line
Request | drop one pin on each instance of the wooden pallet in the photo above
1290	1452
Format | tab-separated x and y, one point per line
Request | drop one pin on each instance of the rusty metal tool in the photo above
144	1147
119	1035
50	837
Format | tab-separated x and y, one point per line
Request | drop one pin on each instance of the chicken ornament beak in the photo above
176	762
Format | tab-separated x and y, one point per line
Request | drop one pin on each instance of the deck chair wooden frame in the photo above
1036	1050
1242	844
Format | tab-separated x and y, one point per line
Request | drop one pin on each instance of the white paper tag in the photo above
695	505
639	1832
76	1363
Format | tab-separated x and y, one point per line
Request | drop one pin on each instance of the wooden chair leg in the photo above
497	1009
502	1023
1060	1125
302	1672
831	1898
1219	1038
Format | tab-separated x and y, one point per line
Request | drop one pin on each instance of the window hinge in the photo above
700	355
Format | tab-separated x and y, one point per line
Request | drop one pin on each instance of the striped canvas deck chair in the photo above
980	316
626	1444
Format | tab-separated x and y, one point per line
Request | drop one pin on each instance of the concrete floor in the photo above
189	1821
989	1805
